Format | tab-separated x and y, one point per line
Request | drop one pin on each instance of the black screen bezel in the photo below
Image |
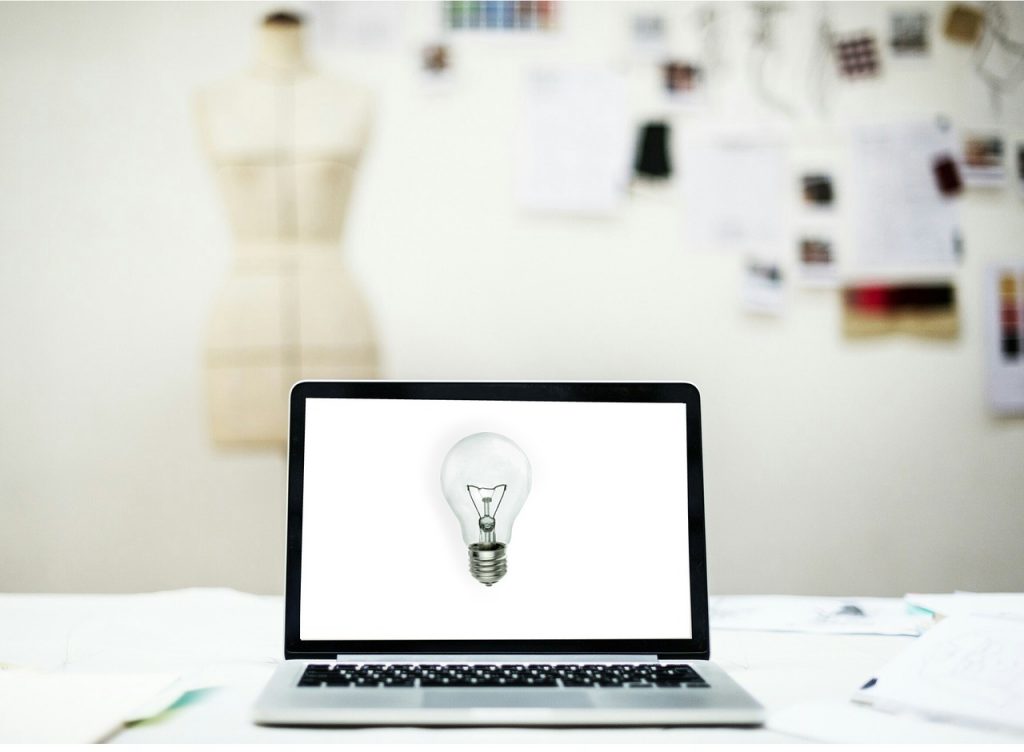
695	648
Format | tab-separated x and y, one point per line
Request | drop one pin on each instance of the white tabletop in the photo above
230	642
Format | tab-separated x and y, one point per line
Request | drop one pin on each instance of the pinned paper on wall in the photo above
648	37
1004	324
577	147
371	26
902	186
731	190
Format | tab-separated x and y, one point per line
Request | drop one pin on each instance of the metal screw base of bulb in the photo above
487	563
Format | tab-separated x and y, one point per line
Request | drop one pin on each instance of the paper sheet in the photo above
68	708
734	193
576	150
344	26
968	669
795	613
901	219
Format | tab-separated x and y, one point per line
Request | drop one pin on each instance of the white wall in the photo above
831	466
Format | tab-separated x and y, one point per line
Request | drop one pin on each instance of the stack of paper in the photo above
798	613
68	708
968	669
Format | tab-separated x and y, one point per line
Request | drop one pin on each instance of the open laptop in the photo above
497	554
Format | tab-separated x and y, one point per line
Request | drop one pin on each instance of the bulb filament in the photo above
483	500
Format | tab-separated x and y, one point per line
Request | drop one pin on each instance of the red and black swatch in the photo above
886	300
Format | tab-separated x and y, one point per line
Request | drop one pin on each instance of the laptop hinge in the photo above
682	657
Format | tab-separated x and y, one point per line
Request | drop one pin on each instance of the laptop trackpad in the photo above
497	698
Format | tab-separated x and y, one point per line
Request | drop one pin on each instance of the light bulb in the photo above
486	478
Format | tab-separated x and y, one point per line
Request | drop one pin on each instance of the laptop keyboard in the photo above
500	675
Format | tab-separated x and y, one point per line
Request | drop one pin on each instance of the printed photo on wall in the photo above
436	69
762	286
817	191
817	261
964	23
683	83
857	55
909	33
983	160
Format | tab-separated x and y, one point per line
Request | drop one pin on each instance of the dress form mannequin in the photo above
285	141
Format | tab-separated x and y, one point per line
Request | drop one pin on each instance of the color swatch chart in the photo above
1011	314
1005	325
500	15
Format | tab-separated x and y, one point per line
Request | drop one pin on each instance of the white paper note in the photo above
576	147
901	219
735	194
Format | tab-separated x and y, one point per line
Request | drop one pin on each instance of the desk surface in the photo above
230	642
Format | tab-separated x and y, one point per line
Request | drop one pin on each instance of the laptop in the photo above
497	554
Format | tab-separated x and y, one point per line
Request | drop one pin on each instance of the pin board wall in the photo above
833	465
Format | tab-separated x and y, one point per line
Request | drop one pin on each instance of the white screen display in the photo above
598	550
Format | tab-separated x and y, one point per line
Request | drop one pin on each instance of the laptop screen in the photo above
466	519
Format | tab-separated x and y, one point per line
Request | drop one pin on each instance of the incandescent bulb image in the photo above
486	478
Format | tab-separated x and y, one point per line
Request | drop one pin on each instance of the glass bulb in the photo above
486	478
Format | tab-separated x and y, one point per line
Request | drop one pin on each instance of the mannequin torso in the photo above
285	141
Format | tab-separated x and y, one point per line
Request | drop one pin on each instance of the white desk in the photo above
230	641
